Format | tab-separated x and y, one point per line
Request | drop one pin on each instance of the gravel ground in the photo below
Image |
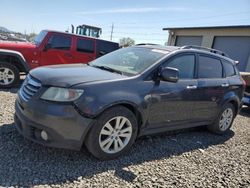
193	158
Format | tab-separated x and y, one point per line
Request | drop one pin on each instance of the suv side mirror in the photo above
169	74
47	47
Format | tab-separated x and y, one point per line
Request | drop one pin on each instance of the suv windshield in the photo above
39	38
129	61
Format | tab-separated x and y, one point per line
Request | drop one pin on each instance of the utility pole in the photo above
112	31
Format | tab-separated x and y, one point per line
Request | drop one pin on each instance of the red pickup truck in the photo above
49	48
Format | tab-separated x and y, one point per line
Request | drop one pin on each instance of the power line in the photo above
119	36
200	18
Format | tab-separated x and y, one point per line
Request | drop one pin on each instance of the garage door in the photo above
238	48
188	40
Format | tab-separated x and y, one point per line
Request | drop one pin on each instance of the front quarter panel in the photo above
100	96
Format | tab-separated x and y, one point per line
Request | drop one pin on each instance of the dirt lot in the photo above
193	158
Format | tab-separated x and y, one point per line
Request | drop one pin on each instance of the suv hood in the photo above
69	75
11	45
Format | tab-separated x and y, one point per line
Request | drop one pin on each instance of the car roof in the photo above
197	49
158	47
77	35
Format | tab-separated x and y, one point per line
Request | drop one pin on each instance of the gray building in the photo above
233	40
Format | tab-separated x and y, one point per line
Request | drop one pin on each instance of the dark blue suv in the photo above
128	93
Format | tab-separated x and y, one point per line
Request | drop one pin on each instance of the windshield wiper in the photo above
107	68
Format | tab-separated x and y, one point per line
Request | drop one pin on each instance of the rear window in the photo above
85	45
228	68
209	67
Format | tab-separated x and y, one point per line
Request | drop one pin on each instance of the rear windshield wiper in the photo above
107	68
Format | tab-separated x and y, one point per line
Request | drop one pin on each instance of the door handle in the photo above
225	85
191	87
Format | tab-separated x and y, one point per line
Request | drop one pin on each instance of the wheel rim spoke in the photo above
107	147
122	123
6	71
110	128
120	142
103	143
126	135
105	132
128	129
6	80
117	123
116	145
10	76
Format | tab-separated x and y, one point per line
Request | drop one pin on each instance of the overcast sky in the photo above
141	20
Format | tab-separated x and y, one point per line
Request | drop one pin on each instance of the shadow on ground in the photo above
245	111
13	89
24	163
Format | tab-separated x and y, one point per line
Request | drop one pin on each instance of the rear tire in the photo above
224	121
113	133
9	75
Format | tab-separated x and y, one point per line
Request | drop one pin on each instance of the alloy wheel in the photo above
115	135
226	119
6	76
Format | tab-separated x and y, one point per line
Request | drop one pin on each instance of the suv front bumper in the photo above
65	127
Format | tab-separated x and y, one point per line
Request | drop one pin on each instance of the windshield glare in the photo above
39	38
130	61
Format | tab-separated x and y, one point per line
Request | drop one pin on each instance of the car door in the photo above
212	86
85	50
58	50
171	103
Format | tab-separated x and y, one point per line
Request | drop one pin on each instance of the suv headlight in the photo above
61	94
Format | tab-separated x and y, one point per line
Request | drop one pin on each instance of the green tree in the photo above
125	42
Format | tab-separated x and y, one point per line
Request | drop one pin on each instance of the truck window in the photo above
85	45
60	42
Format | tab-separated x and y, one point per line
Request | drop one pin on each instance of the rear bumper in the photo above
65	127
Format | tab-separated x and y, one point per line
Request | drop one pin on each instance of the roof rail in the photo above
205	48
141	44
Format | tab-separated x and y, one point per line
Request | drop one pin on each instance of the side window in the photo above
185	64
60	42
228	68
209	67
85	45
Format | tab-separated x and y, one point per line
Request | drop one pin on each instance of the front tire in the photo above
9	75
224	121
112	134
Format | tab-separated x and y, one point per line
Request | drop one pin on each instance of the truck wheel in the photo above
112	134
9	75
225	120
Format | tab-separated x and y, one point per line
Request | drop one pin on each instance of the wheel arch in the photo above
235	102
15	58
129	105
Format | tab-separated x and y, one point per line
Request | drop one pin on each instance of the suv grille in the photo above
29	88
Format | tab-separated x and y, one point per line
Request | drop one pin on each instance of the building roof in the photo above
209	27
